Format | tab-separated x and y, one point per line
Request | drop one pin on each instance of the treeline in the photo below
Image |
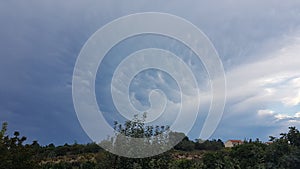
14	154
284	152
281	153
189	145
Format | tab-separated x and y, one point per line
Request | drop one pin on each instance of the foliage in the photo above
185	145
283	153
13	154
209	145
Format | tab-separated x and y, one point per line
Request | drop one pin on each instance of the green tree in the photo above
220	159
185	145
209	145
284	152
136	128
249	155
13	154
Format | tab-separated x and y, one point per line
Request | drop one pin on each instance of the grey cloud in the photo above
40	40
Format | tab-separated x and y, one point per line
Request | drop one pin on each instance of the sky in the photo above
258	43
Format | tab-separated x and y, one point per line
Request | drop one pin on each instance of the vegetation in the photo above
283	153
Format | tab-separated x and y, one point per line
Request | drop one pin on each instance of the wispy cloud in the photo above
265	92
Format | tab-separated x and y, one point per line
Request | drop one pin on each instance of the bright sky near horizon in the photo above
257	41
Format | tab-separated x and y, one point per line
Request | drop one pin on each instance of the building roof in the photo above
236	141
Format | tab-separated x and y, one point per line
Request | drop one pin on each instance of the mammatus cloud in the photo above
41	40
252	89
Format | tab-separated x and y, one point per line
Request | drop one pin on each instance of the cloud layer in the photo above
258	42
